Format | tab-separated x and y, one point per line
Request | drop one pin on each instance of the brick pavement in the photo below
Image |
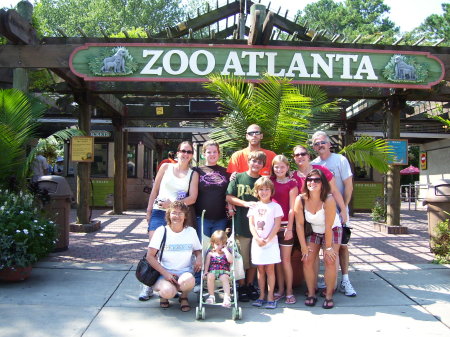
123	238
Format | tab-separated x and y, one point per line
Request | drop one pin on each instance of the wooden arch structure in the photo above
236	24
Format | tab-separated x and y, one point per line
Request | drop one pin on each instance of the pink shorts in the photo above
320	238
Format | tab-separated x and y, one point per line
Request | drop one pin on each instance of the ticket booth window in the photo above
99	167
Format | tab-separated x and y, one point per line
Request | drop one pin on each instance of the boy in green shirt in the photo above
240	194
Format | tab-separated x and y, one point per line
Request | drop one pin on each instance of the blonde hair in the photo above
219	236
210	143
263	182
280	159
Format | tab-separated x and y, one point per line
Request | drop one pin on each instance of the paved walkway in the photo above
90	291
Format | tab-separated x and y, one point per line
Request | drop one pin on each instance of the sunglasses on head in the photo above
316	180
320	143
254	133
186	151
300	154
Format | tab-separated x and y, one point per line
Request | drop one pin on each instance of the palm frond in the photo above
369	152
444	121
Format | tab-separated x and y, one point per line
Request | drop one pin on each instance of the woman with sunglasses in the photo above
173	182
317	206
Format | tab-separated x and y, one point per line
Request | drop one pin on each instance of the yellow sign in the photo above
159	110
82	149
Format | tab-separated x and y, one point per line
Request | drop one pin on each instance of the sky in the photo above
407	14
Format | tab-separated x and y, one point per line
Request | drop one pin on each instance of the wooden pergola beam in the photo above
17	29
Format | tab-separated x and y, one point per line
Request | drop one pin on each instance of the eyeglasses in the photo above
316	180
300	154
186	151
323	142
254	133
257	161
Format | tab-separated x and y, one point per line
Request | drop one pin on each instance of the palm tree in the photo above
286	113
18	126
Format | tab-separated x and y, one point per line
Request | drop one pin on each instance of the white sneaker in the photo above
196	288
145	293
211	299
347	288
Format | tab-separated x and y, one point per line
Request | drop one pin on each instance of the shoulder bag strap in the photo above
189	185
163	244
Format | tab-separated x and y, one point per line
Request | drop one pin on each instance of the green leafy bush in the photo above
26	235
441	242
379	211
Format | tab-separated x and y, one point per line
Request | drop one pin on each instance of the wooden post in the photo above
125	171
84	169
118	166
394	106
20	75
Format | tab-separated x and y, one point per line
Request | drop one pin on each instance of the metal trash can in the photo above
437	201
60	199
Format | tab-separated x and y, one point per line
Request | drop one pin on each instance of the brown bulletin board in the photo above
82	149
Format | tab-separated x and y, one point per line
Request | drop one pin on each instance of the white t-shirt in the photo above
177	255
339	166
39	166
264	216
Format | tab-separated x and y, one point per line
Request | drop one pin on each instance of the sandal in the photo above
184	307
226	302
290	299
277	296
311	301
271	305
258	303
164	303
328	304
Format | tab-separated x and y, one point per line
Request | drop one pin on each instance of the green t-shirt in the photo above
242	187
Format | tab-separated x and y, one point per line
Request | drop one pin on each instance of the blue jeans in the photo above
210	226
158	219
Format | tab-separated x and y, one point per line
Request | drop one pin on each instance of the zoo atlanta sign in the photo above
311	65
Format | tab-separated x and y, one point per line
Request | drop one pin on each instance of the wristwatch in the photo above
329	248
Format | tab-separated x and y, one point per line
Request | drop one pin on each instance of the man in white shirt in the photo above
39	167
340	167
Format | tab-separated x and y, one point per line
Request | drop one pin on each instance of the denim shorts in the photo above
158	219
210	226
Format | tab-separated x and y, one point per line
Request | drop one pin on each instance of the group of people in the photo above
270	205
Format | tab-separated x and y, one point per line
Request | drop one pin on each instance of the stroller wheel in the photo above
239	313
197	313
203	313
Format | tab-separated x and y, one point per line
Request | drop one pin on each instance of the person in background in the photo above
58	168
170	159
340	167
39	167
239	159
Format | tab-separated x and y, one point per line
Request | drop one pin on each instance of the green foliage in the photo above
112	15
366	151
379	210
26	235
18	126
281	109
441	242
352	18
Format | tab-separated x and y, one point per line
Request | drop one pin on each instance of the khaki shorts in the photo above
244	244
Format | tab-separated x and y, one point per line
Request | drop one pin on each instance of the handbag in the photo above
346	233
145	273
307	226
192	217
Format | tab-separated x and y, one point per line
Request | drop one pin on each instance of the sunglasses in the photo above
323	142
186	151
316	180
254	133
300	154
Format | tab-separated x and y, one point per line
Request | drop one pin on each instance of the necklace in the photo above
283	180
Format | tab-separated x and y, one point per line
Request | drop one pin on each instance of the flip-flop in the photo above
328	304
290	299
184	307
271	305
311	301
258	303
164	303
277	296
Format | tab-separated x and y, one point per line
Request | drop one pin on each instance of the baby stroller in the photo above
236	312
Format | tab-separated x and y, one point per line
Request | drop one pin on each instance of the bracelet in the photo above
329	248
288	230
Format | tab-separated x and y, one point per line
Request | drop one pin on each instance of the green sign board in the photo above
102	192
365	194
194	62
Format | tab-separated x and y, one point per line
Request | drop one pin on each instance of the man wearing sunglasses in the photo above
340	167
239	160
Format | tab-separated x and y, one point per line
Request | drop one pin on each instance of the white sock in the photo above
345	278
